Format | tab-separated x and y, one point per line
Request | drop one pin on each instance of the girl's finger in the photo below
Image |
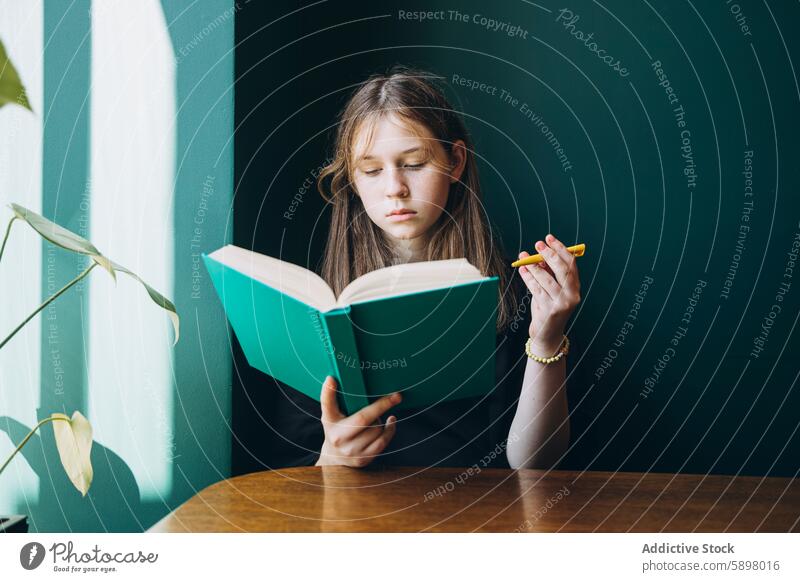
559	248
547	283
540	297
535	287
554	261
327	399
356	443
568	258
372	412
525	273
380	443
546	267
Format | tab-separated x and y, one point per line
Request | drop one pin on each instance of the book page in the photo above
293	280
409	278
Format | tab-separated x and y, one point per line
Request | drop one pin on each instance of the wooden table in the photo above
340	499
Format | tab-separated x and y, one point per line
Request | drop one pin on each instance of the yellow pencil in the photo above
576	250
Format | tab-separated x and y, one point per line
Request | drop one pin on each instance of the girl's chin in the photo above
403	232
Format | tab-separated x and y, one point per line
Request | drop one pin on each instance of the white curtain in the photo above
21	30
132	172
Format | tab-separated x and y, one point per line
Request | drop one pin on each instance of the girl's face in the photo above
403	178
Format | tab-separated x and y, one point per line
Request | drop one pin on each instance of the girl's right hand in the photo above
354	440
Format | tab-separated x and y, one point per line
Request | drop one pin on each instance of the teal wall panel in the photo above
198	438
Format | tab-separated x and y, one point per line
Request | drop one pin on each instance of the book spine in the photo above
345	360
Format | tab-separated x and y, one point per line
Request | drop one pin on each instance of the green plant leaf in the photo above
157	298
66	239
74	443
60	236
106	263
11	88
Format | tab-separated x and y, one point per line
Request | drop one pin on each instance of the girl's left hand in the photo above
556	291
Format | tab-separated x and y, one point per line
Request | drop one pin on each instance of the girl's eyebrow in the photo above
408	151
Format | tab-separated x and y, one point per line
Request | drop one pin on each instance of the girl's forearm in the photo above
539	434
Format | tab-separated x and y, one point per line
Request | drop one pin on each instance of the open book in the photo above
426	329
307	286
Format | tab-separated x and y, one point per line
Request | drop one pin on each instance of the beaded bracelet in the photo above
563	351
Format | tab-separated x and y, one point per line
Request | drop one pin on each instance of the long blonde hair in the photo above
355	244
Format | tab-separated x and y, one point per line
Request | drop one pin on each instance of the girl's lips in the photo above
401	217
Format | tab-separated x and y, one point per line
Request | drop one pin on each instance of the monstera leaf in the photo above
11	89
74	443
68	240
60	236
157	298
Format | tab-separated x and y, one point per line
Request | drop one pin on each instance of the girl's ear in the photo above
458	160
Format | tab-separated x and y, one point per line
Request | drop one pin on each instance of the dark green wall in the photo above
657	196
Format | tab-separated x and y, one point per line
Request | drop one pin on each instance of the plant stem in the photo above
25	440
5	238
48	301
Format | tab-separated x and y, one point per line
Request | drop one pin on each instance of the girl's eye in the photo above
375	171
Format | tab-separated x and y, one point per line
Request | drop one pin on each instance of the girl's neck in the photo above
408	250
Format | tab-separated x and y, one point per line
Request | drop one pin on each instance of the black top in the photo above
457	433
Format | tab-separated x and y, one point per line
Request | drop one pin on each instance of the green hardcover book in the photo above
424	329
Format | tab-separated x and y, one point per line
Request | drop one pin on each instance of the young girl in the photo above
403	186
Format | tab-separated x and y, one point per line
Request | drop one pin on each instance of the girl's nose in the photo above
396	186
